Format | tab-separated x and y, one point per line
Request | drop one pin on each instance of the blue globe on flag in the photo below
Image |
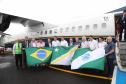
41	54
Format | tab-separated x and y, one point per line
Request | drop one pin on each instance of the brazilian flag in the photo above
38	55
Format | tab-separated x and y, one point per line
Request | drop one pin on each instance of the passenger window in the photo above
50	32
41	32
104	25
67	29
87	27
80	28
46	32
73	29
61	30
55	31
95	26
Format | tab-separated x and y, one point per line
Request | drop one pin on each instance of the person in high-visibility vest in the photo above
17	51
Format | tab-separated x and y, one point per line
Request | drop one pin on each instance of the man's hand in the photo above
106	54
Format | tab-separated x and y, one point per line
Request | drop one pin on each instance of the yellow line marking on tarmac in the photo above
82	74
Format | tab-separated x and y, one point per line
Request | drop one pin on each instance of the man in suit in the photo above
123	24
71	43
77	42
25	45
48	43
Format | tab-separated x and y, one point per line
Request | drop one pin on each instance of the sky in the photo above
59	11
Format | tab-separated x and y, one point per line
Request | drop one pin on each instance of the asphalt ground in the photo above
40	75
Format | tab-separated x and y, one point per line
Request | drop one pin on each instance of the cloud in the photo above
58	11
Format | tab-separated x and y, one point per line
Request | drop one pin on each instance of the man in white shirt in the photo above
101	43
63	42
84	43
55	42
93	44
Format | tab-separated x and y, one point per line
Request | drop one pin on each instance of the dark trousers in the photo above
109	66
120	36
125	34
24	59
18	60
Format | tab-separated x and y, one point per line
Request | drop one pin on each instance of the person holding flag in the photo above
63	42
101	43
84	43
55	42
71	42
110	55
93	44
77	42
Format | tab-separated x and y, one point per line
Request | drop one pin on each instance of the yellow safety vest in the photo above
18	48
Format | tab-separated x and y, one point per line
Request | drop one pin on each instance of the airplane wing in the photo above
118	10
1	33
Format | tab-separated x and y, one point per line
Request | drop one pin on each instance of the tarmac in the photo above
40	75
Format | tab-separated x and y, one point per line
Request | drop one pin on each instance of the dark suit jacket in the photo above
47	44
123	25
25	44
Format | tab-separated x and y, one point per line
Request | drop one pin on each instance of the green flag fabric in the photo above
63	55
85	58
38	55
74	56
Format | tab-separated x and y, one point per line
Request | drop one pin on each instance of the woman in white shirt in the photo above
101	43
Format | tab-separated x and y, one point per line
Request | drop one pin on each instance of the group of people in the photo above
91	43
108	45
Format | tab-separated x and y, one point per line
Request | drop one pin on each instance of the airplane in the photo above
92	26
35	29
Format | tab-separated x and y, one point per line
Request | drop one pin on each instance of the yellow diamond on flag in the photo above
41	54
